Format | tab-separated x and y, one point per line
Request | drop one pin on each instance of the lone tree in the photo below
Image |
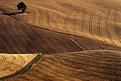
22	6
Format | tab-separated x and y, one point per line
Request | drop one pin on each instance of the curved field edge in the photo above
90	65
24	69
92	25
42	35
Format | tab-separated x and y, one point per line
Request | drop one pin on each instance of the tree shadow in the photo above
12	13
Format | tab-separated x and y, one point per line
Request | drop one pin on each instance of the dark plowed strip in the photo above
16	37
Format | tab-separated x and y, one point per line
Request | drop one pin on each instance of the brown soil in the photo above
57	27
78	66
19	37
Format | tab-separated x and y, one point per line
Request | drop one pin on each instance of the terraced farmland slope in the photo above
78	66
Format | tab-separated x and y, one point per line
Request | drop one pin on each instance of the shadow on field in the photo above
12	13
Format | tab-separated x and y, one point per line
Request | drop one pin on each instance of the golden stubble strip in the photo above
10	64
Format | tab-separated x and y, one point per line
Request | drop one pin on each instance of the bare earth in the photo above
11	63
76	66
80	40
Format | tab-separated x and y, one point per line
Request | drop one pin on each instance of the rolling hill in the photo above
80	40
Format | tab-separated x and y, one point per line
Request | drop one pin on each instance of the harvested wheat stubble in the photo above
62	26
41	30
76	66
16	64
98	20
16	37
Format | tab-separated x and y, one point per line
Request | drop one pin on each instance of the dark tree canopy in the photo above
21	5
